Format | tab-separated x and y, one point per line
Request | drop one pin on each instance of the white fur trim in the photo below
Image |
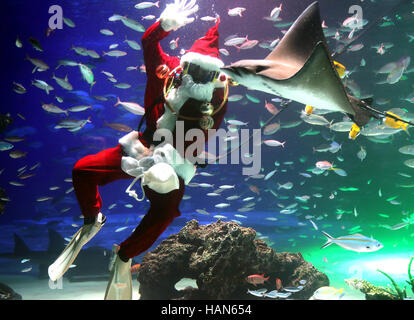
204	61
161	178
134	164
133	147
184	168
167	120
131	166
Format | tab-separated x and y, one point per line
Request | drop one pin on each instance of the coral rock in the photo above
7	293
371	292
219	256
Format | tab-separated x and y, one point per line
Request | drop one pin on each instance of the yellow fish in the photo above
328	293
340	68
308	110
355	130
393	123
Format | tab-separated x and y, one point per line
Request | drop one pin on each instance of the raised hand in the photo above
176	15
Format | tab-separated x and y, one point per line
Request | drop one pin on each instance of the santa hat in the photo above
205	51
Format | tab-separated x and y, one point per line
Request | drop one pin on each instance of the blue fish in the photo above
4	146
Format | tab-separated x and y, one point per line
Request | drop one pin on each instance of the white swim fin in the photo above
120	282
69	254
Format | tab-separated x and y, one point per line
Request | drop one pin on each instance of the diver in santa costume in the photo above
190	89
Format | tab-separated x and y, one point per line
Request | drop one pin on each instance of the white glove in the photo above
176	14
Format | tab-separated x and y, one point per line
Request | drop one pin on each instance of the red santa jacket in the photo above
153	57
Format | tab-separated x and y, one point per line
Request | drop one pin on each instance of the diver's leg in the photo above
93	171
89	173
163	209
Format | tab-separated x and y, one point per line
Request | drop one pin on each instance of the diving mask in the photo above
199	74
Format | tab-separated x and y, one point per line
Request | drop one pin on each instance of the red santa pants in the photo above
104	167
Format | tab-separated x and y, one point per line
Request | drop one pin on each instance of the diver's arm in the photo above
175	16
154	55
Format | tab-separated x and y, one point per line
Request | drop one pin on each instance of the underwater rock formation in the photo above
371	292
219	256
7	293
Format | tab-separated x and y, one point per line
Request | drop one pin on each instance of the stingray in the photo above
301	69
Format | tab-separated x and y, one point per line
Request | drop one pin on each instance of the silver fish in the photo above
115	53
79	108
133	44
257	293
222	205
63	82
53	109
39	64
134	25
42	85
293	289
314	119
106	32
409	149
354	242
235	41
362	153
131	107
93	54
18	88
219	216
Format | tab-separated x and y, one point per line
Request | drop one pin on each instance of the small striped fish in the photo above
355	242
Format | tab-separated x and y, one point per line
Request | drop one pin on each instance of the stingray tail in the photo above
364	112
